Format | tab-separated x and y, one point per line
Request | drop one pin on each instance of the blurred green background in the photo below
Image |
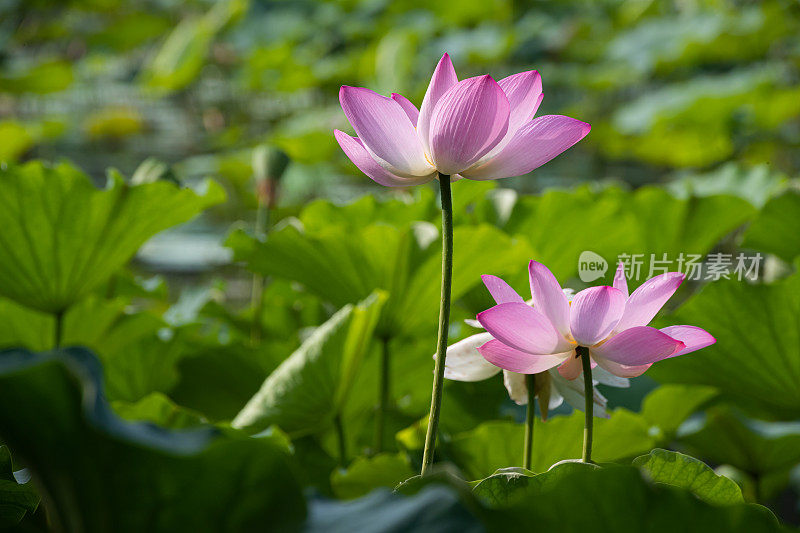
670	87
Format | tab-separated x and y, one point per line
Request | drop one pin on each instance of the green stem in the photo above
257	301
444	322
757	497
530	419
588	391
263	215
384	394
340	440
59	329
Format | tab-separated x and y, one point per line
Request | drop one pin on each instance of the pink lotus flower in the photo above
611	324
476	128
465	363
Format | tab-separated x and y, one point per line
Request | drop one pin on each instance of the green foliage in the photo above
765	452
20	326
342	261
218	380
755	184
45	77
180	366
506	487
498	444
613	222
158	409
14	139
754	361
311	387
368	473
548	500
669	406
711	81
62	236
694	109
679	470
107	468
694	117
776	229
136	359
16	498
183	54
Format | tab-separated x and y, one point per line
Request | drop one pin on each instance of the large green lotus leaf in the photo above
679	470
574	497
102	473
343	264
311	387
16	498
755	361
367	473
62	236
776	229
562	224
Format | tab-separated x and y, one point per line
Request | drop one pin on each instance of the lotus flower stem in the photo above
530	416
340	439
263	215
59	328
268	167
588	390
444	322
384	394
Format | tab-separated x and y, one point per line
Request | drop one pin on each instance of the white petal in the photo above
465	363
573	393
516	386
601	375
